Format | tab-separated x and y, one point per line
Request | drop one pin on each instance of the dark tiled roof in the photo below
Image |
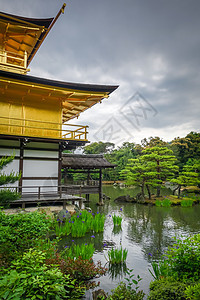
60	84
85	161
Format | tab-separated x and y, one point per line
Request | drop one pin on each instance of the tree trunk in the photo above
179	191
149	192
158	191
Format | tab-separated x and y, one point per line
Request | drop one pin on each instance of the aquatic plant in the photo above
84	251
80	224
164	203
187	202
117	256
117	220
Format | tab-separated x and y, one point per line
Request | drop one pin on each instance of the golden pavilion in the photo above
34	111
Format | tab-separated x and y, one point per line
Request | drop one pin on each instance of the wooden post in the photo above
100	188
59	168
21	157
38	192
88	182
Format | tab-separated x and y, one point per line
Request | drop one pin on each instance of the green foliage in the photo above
98	148
123	292
131	280
184	258
7	195
80	224
19	232
192	292
117	256
187	148
81	269
163	203
156	165
159	269
188	177
119	157
117	220
85	251
167	288
187	202
30	278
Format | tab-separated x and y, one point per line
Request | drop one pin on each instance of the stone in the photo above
99	294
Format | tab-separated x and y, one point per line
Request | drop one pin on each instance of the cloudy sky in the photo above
150	48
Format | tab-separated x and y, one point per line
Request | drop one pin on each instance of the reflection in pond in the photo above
144	230
117	271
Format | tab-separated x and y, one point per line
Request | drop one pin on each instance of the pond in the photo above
146	233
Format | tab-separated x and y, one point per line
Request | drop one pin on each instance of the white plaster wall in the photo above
39	168
45	186
39	153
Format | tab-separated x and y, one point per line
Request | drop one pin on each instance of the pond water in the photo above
145	229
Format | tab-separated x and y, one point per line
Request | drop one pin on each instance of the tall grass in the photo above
85	251
117	256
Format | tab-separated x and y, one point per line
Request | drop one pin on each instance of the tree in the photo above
98	148
153	142
162	163
119	157
188	177
149	170
6	195
186	148
136	173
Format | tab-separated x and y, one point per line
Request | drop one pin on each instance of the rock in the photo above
106	197
99	294
125	198
63	215
140	198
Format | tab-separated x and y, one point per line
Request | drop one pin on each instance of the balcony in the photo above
13	62
42	129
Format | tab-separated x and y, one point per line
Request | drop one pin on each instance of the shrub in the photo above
184	258
123	292
30	278
187	202
166	289
19	232
7	196
193	292
80	269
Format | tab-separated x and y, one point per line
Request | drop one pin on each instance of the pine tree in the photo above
188	177
162	164
7	195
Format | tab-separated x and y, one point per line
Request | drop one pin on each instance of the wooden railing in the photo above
35	128
12	60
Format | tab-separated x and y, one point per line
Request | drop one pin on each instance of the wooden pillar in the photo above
100	188
21	162
88	181
59	167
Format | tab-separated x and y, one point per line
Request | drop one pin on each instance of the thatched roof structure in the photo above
85	161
